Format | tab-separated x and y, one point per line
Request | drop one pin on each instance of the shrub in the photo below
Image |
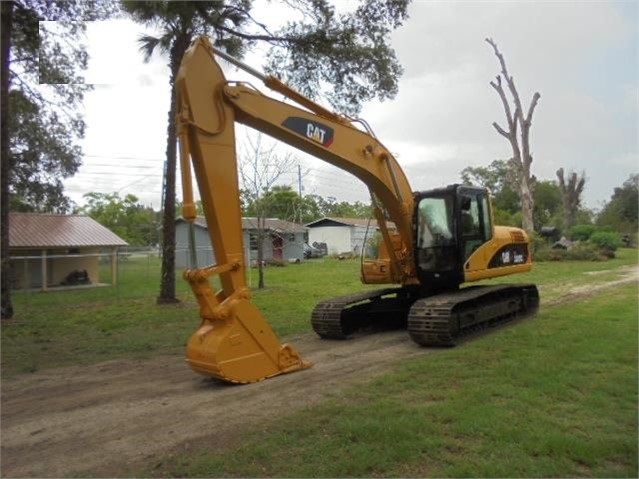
582	232
577	252
606	240
537	242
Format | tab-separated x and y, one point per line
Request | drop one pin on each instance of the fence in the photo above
131	273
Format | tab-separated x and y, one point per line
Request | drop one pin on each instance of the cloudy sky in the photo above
580	56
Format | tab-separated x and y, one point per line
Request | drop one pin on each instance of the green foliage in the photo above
132	221
582	232
622	211
548	204
315	47
506	218
606	240
283	203
45	94
349	51
501	178
280	202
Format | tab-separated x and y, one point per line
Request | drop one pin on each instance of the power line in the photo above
118	157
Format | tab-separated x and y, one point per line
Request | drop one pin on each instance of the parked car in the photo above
312	252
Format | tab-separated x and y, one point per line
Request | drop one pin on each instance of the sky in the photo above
580	56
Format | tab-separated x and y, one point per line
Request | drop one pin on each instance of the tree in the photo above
280	202
42	88
548	205
501	178
260	168
126	217
348	51
571	196
622	211
518	124
6	22
343	209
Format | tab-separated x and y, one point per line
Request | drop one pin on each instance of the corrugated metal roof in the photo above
39	230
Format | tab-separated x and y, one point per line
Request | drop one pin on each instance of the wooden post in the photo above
114	266
43	268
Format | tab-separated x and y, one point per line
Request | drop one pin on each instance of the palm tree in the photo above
178	23
348	51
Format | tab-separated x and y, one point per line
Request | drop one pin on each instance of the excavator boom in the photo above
234	342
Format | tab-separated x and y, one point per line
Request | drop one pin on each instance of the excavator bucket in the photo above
235	343
241	349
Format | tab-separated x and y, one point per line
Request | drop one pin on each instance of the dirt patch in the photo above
576	291
112	417
105	418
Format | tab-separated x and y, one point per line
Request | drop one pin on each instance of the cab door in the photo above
436	240
475	226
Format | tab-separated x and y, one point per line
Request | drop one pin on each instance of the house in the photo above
47	250
284	241
342	235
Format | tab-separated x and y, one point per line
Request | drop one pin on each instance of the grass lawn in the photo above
555	396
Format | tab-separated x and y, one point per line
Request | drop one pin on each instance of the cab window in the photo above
435	222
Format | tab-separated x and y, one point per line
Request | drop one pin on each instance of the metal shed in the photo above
46	248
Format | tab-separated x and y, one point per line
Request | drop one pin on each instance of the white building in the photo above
341	235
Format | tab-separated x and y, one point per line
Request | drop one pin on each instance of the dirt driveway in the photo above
107	418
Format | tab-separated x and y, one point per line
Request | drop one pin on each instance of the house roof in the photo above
273	224
334	221
39	230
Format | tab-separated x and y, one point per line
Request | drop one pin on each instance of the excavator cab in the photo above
451	224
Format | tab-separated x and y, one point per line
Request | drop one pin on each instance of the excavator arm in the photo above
234	341
209	106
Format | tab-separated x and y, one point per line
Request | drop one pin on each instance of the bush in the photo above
582	232
606	240
537	242
577	252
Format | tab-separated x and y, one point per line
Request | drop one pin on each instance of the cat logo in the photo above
310	129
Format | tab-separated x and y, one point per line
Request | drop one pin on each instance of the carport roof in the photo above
39	230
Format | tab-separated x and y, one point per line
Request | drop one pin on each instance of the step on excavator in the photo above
432	242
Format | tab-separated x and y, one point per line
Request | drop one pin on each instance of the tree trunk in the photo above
167	285
260	250
520	145
571	197
527	205
5	169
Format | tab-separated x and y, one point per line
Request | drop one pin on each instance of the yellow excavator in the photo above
432	242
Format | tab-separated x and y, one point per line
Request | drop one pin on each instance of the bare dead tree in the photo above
571	196
520	143
261	166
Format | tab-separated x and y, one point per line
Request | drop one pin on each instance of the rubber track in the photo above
433	321
326	318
